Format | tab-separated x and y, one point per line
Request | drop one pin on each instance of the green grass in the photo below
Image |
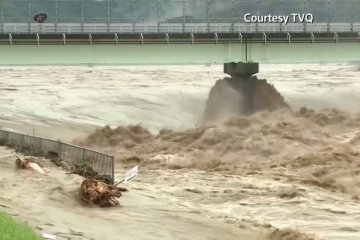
11	230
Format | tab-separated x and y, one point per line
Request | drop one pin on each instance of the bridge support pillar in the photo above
241	94
242	80
241	69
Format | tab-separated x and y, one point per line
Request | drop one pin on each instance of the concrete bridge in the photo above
181	48
176	32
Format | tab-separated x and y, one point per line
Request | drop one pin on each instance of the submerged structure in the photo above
242	93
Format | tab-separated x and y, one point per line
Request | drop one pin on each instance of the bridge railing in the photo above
155	14
176	27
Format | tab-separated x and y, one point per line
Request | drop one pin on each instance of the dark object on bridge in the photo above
40	17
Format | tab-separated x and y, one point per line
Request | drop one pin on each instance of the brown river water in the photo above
287	175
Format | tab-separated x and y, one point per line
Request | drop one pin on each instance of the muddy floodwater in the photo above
292	174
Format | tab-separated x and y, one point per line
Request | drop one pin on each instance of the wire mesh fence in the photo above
64	154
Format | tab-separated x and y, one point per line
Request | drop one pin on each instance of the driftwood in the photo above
22	163
88	172
28	164
99	193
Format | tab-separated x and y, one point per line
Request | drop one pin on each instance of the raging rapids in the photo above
283	173
278	155
306	146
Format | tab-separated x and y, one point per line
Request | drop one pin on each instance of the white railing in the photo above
175	27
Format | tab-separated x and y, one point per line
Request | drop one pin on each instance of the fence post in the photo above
56	15
40	148
133	15
108	16
352	15
3	140
304	12
8	140
113	169
21	143
233	16
59	150
159	16
2	18
328	10
29	16
208	15
281	13
82	156
184	16
257	13
82	16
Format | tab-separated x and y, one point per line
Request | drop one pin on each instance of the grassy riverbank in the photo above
10	230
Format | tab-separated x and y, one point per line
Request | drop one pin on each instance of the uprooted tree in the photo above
99	193
28	163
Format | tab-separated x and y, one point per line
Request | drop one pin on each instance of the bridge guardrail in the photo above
64	154
69	28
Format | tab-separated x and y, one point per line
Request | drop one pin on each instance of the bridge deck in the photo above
171	47
175	38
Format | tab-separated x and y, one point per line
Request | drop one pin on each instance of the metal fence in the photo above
173	11
65	154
